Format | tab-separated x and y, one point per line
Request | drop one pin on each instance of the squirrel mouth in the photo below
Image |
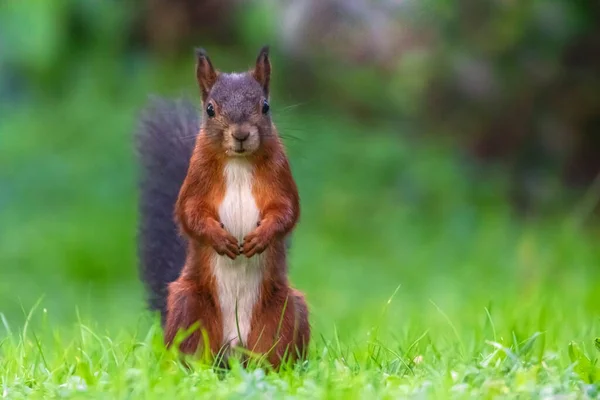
239	148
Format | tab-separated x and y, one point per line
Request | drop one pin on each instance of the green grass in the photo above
419	279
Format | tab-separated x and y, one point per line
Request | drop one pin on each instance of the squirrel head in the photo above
236	117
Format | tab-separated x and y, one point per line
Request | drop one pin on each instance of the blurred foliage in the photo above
379	143
512	83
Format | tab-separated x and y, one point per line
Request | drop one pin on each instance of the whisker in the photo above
287	108
300	129
293	137
189	136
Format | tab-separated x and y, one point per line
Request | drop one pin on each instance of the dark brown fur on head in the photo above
236	114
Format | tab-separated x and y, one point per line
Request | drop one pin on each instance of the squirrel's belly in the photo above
238	281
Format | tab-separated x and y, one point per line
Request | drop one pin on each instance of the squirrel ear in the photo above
262	70
205	73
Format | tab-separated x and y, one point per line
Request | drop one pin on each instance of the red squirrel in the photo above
235	202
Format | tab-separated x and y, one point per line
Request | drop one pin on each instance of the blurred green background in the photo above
448	151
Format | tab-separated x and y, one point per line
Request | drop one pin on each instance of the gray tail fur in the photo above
164	140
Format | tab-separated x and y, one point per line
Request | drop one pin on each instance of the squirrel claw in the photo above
254	243
226	244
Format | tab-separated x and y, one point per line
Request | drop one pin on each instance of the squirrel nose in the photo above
241	135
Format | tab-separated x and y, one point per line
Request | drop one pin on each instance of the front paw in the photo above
255	242
225	244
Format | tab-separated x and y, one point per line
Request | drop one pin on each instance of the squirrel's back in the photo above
165	140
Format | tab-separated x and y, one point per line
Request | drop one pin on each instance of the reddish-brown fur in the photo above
279	324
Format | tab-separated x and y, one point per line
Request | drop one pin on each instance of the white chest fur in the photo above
239	280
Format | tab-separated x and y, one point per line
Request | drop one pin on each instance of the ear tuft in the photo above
200	52
264	51
205	73
262	70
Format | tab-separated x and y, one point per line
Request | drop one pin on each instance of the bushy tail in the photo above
165	141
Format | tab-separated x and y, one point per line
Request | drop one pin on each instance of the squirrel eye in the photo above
210	110
265	107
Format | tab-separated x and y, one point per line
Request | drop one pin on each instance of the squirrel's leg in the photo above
280	330
187	305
